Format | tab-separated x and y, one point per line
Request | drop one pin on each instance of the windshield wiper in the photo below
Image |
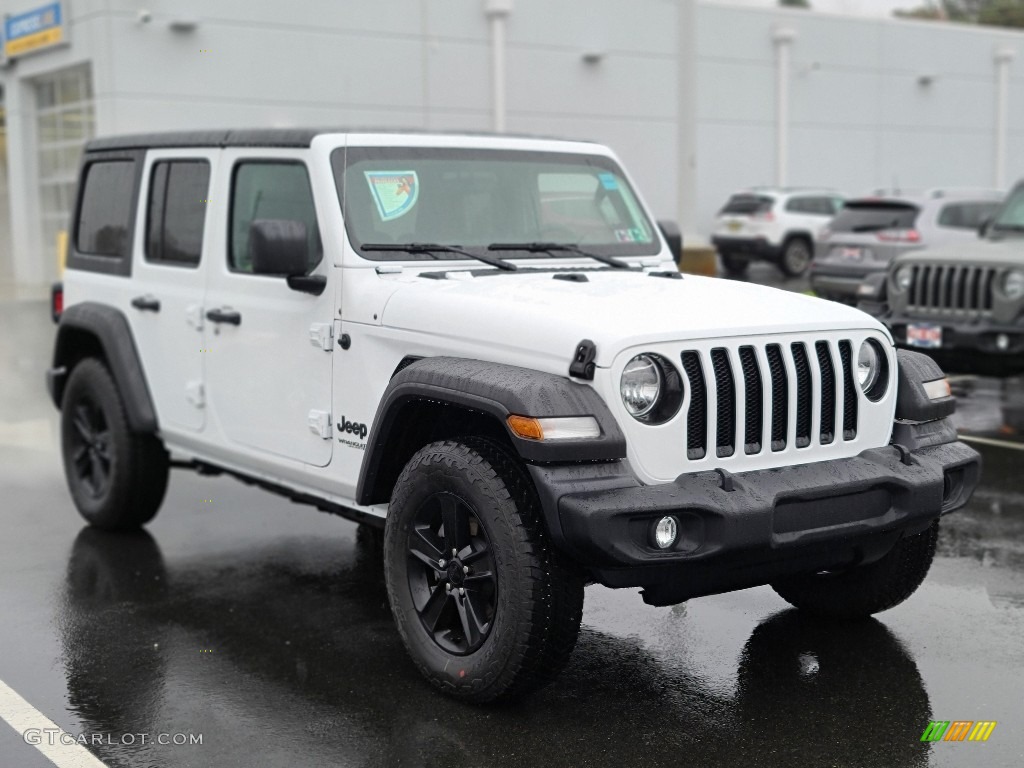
553	248
432	248
1008	227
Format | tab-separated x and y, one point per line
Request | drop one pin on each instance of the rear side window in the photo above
874	217
270	190
104	218
178	194
812	206
748	204
966	215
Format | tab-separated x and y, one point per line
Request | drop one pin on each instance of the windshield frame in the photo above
996	229
343	157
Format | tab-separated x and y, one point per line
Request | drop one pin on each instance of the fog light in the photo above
665	532
1002	342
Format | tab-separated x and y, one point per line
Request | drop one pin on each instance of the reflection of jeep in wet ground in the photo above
481	344
964	297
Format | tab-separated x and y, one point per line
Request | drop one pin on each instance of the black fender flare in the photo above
498	391
110	328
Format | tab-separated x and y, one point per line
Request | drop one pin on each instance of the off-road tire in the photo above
867	589
138	464
734	266
796	256
539	600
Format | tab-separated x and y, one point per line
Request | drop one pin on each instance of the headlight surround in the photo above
903	278
1013	284
651	388
872	370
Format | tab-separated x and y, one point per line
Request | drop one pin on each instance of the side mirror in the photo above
674	238
984	227
279	247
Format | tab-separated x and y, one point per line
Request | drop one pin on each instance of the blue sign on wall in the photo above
34	30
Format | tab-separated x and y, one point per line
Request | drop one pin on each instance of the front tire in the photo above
484	604
117	477
867	589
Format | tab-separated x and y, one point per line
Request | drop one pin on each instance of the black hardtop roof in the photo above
262	137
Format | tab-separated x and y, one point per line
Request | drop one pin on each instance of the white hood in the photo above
616	310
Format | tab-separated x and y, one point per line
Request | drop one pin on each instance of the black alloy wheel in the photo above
451	574
91	457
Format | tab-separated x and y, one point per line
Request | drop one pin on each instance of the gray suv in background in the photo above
870	232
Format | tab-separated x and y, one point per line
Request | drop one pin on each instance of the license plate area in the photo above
924	335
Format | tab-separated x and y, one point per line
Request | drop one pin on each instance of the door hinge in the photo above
195	393
320	423
322	335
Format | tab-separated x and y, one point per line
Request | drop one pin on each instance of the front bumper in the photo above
978	335
737	531
746	247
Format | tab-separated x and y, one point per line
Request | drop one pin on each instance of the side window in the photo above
104	218
176	213
796	205
966	215
267	189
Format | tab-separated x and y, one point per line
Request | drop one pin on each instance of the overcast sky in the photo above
852	7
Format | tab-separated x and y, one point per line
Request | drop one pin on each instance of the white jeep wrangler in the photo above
482	345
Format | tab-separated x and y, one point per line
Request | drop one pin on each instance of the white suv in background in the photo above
777	225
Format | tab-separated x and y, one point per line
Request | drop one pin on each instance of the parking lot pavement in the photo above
262	628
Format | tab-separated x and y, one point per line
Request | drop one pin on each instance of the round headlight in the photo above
640	385
1013	284
904	277
867	366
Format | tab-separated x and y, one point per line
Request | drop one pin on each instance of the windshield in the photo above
475	198
875	216
1010	219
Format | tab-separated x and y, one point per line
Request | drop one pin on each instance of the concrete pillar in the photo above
783	38
22	158
497	12
1003	59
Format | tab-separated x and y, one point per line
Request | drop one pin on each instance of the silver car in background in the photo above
870	232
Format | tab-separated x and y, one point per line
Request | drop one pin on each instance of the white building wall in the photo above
859	117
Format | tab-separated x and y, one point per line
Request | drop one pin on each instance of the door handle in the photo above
224	316
146	303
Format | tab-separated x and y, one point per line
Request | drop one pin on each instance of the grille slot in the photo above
726	432
804	395
754	395
697	415
828	392
849	392
780	396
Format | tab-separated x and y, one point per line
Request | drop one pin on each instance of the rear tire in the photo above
796	257
734	266
117	477
515	625
867	589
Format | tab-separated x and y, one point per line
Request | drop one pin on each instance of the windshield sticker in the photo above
625	235
608	180
394	192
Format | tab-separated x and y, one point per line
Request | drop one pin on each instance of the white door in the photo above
168	282
268	371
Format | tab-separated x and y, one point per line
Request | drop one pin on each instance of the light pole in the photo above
783	38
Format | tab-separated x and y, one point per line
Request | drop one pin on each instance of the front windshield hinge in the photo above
582	365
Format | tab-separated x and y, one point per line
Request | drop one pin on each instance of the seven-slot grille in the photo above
951	287
788	390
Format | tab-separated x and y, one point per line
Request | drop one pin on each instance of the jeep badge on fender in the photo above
550	403
352	428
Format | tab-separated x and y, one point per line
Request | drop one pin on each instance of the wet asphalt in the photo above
263	627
